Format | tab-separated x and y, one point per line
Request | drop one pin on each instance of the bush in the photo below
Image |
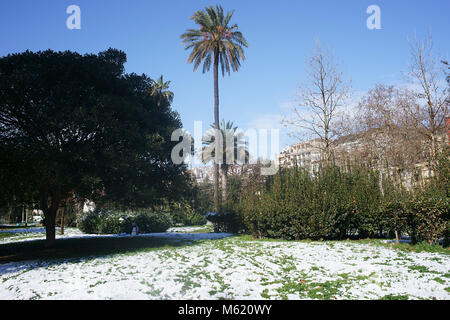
228	220
333	204
195	219
149	221
339	203
89	222
117	222
446	242
187	217
428	216
113	222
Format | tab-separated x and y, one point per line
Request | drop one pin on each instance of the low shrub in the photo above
428	216
117	222
187	217
229	219
149	221
89	222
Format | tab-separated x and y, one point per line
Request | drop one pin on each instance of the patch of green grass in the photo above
314	290
326	290
265	294
97	283
36	296
395	297
287	263
421	269
439	280
6	235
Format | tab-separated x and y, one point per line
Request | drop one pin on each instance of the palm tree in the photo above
217	43
160	90
232	153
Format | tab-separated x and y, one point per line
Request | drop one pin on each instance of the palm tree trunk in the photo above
224	182
216	123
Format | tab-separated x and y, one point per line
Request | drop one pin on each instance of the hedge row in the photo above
338	204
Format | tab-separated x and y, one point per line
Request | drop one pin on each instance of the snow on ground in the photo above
179	233
19	235
187	229
235	268
23	230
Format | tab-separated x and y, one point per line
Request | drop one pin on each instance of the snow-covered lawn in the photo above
196	229
20	235
223	266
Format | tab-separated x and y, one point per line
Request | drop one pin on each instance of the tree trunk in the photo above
62	220
216	123
50	227
397	237
224	182
50	206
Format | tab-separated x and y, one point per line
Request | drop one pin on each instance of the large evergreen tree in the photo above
77	124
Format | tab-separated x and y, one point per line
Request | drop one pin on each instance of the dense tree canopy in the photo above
77	124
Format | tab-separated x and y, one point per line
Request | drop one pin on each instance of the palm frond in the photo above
214	37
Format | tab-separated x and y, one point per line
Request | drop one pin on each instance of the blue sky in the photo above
281	35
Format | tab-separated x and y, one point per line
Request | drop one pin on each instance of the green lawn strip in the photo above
7	235
404	247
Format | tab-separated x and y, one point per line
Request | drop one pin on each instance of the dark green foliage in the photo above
89	222
187	217
428	216
215	41
77	124
118	222
227	220
428	208
149	221
330	205
202	197
340	204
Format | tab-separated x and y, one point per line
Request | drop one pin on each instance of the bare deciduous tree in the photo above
384	130
320	99
376	121
425	71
